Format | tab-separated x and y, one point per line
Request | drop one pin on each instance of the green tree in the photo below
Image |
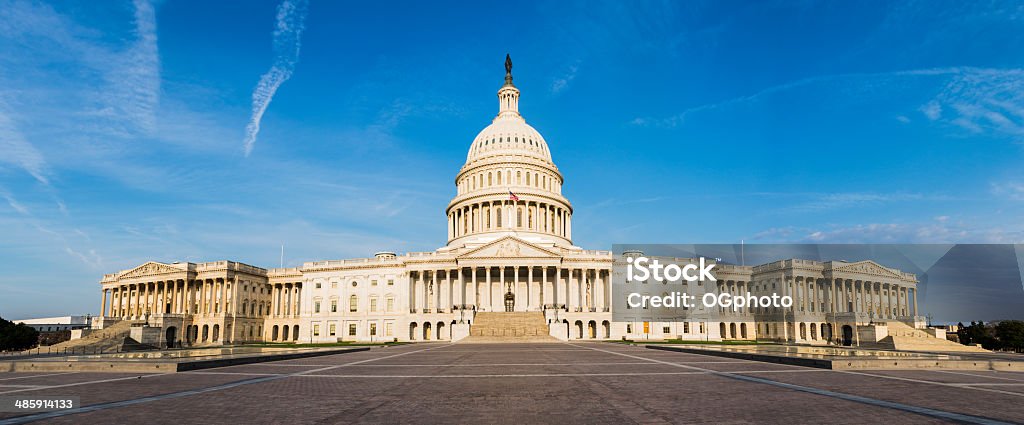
1010	334
16	336
978	333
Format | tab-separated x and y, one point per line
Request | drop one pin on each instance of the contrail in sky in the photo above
291	16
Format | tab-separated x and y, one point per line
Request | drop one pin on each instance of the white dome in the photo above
509	135
509	185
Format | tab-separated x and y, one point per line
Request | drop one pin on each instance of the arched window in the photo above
519	217
353	304
488	218
519	177
529	219
527	179
498	217
489	182
499	177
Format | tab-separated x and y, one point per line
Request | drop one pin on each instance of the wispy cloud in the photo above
137	80
54	231
941	229
1009	190
81	98
980	98
17	151
844	200
562	83
291	16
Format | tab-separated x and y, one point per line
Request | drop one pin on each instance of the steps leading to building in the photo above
110	339
490	327
904	337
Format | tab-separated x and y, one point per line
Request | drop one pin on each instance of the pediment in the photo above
866	267
150	268
510	247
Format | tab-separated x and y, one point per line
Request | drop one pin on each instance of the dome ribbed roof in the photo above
509	135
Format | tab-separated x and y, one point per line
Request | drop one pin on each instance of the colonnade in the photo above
534	288
176	296
286	299
883	299
513	215
886	300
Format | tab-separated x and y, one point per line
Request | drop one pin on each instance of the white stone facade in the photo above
509	248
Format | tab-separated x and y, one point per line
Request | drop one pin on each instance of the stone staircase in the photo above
904	337
111	339
501	327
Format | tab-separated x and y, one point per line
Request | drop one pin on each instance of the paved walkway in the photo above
526	383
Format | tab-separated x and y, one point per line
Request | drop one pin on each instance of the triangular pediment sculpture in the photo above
866	266
151	268
509	247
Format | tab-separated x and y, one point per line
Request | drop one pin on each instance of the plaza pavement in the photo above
525	384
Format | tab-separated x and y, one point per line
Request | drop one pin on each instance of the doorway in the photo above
510	302
170	336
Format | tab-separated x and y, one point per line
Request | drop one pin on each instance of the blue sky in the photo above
123	126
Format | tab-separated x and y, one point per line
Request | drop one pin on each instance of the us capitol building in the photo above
509	255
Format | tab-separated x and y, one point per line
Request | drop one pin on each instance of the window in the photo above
373	329
629	328
316	306
354	283
331	329
334	306
373	283
316	329
351	329
389	328
666	330
389	304
318	285
373	305
353	304
391	282
686	327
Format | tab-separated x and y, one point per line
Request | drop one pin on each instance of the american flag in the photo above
512	196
